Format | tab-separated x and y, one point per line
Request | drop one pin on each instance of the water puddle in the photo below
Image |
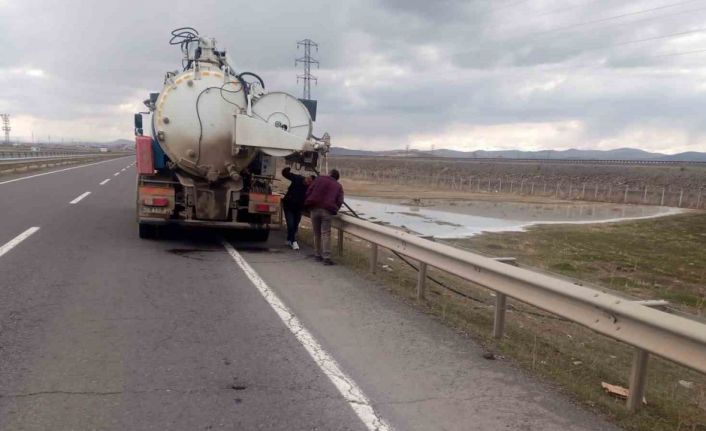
449	219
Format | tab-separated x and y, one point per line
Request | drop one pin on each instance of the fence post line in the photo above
522	185
556	193
571	188
661	203
698	199
511	183
373	257
501	185
638	379
339	245
488	184
532	189
681	196
644	195
595	192
583	192
544	192
421	281
625	198
499	319
610	192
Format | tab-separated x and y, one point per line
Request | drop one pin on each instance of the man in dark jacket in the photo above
324	198
293	204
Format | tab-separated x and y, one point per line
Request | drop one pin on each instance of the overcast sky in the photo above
468	75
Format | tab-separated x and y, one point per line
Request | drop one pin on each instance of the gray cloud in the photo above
391	70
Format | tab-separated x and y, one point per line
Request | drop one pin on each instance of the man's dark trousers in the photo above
292	216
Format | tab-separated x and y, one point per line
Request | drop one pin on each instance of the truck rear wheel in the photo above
147	231
259	235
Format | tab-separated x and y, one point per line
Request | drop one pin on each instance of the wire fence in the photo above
667	195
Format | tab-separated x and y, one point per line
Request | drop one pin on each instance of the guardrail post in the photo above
373	257
499	321
421	281
339	245
638	379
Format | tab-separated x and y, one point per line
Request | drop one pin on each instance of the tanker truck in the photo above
207	144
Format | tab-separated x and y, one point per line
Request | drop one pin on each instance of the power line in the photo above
647	39
611	18
675	54
564	9
562	31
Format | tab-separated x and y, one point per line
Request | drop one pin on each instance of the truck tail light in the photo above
155	201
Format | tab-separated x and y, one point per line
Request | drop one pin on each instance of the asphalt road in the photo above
100	330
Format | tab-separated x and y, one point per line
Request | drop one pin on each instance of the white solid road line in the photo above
78	198
55	172
350	391
18	239
104	181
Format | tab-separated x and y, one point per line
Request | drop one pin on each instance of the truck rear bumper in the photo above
205	223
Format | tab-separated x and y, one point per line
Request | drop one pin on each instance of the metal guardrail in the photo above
649	330
24	154
16	160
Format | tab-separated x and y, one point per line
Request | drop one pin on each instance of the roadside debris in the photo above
618	391
492	356
687	384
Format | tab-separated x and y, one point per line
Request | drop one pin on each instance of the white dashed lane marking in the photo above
104	181
53	172
18	239
79	197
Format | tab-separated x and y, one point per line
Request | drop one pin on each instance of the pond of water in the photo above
448	219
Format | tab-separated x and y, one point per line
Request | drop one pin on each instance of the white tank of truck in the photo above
207	144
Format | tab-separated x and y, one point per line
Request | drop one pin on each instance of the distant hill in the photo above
340	151
571	154
118	143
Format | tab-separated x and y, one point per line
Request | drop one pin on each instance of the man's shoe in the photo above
318	258
289	243
329	262
295	245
